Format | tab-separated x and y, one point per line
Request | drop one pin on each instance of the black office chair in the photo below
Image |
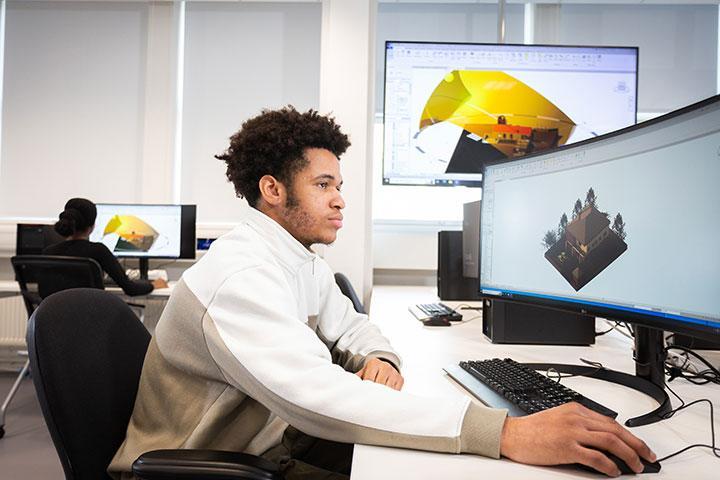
42	275
347	289
38	277
86	352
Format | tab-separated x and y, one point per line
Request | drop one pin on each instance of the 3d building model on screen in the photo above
135	235
501	118
585	246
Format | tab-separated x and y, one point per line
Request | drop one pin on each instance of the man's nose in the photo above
338	202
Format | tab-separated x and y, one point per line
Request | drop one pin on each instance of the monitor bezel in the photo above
478	183
188	230
635	316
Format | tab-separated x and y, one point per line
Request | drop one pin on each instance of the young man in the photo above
257	344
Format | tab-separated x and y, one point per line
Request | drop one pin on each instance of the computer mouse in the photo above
436	322
649	467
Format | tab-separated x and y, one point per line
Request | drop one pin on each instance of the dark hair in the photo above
79	215
274	143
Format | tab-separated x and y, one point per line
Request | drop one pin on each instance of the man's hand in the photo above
380	371
572	433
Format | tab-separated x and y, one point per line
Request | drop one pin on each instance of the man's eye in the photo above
323	185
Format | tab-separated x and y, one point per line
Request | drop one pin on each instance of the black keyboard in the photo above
435	310
525	388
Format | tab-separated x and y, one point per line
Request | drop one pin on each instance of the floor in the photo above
26	450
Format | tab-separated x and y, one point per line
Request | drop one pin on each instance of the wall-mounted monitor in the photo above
451	108
146	231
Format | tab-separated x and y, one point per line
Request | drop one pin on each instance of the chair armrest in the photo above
203	464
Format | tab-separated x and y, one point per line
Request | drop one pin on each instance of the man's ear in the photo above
272	190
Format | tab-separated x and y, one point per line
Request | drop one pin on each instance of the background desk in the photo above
10	288
426	350
13	316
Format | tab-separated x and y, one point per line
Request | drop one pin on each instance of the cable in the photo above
465	306
616	326
597	334
598	366
699	377
715	450
468	320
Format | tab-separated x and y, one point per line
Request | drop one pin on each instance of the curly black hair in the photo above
274	143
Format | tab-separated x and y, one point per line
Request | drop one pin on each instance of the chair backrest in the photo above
347	289
86	351
42	275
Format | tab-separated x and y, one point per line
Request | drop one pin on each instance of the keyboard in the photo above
512	385
424	311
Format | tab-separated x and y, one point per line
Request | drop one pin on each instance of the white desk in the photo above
154	301
425	350
10	288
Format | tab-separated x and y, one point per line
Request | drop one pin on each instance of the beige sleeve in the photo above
481	430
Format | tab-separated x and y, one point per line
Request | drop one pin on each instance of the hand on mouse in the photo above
159	283
572	433
380	371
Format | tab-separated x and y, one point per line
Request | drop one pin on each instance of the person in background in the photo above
76	223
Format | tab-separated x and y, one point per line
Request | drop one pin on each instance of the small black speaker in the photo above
451	284
511	322
692	342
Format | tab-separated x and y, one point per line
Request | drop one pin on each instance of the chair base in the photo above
206	464
11	395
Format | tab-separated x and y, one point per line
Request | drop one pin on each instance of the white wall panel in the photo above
239	59
73	98
678	46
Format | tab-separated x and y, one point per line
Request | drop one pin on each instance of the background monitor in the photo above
451	108
146	231
624	226
33	238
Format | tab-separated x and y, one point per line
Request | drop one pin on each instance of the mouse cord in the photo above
462	322
715	450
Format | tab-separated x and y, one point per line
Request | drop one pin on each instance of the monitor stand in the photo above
144	267
649	375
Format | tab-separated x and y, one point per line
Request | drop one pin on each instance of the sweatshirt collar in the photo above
284	246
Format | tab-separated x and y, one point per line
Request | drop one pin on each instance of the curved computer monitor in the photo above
624	226
146	231
451	108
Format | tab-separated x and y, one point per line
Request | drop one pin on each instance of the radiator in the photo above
13	323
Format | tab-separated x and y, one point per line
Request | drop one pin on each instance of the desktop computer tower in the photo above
451	284
471	239
511	322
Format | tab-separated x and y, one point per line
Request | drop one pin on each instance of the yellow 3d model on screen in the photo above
134	234
501	116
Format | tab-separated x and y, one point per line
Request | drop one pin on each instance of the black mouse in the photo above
437	322
648	467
